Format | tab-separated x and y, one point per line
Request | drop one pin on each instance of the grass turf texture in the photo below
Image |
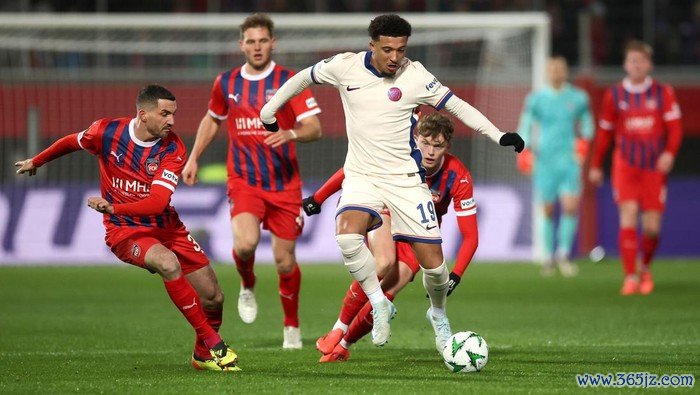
113	329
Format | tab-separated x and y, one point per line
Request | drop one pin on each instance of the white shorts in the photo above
410	203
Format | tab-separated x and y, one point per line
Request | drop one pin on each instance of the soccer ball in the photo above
466	352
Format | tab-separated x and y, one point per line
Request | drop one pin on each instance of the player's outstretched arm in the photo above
288	90
208	127
471	117
62	146
312	204
309	131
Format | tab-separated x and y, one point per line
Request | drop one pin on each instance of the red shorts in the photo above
646	187
131	244
280	212
405	254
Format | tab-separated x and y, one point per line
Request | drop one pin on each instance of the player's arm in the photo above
62	146
288	90
674	130
309	130
154	204
206	132
603	138
471	117
524	161
470	241
312	204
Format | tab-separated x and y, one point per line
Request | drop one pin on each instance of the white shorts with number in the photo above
407	197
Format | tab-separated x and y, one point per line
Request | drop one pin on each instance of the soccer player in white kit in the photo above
380	89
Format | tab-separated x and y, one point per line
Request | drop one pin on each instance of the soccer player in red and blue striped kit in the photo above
264	185
140	162
644	118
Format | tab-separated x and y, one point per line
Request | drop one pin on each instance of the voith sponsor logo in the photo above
130	185
640	124
247	123
467	203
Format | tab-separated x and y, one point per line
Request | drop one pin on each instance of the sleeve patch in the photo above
467	203
433	86
169	176
311	102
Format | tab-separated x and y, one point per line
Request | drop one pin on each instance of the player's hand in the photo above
274	140
581	150
310	206
453	283
189	173
595	176
524	162
665	162
514	139
26	166
101	205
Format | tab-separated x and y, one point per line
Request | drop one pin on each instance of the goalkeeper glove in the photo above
513	139
524	162
271	127
453	283
310	206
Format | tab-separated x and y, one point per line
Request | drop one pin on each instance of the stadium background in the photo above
45	221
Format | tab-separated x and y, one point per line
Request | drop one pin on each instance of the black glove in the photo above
273	127
310	206
513	139
453	283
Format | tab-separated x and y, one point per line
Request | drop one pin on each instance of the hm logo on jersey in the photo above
130	185
248	123
152	165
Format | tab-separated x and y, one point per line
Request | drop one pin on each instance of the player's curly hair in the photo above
150	94
435	124
390	25
258	20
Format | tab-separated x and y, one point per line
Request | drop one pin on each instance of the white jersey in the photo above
379	111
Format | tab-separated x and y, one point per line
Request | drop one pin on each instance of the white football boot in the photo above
441	326
292	338
381	315
247	306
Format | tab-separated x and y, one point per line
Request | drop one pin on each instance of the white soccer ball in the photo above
466	352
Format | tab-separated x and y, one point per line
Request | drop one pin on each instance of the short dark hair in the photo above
150	94
390	25
435	124
258	20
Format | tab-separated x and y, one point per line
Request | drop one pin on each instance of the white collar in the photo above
136	140
636	88
258	77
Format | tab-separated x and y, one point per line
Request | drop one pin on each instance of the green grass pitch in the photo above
113	329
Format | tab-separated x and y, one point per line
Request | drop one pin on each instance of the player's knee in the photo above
350	244
384	264
245	248
214	301
166	264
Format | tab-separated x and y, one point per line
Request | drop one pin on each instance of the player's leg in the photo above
652	205
383	249
568	226
545	184
627	189
207	286
246	235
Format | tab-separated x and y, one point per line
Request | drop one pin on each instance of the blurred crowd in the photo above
671	26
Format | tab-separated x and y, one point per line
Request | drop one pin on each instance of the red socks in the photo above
289	285
649	244
353	302
245	269
628	250
362	324
214	318
187	301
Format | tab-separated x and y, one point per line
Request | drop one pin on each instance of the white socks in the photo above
436	282
360	263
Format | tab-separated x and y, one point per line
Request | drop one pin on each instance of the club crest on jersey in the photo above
135	250
269	93
152	165
394	94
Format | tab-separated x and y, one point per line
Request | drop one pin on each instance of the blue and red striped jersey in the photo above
638	116
238	97
129	168
452	183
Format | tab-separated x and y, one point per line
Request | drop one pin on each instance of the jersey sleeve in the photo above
431	92
172	163
330	70
604	132
585	118
218	106
304	105
90	139
527	118
608	112
672	119
463	195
